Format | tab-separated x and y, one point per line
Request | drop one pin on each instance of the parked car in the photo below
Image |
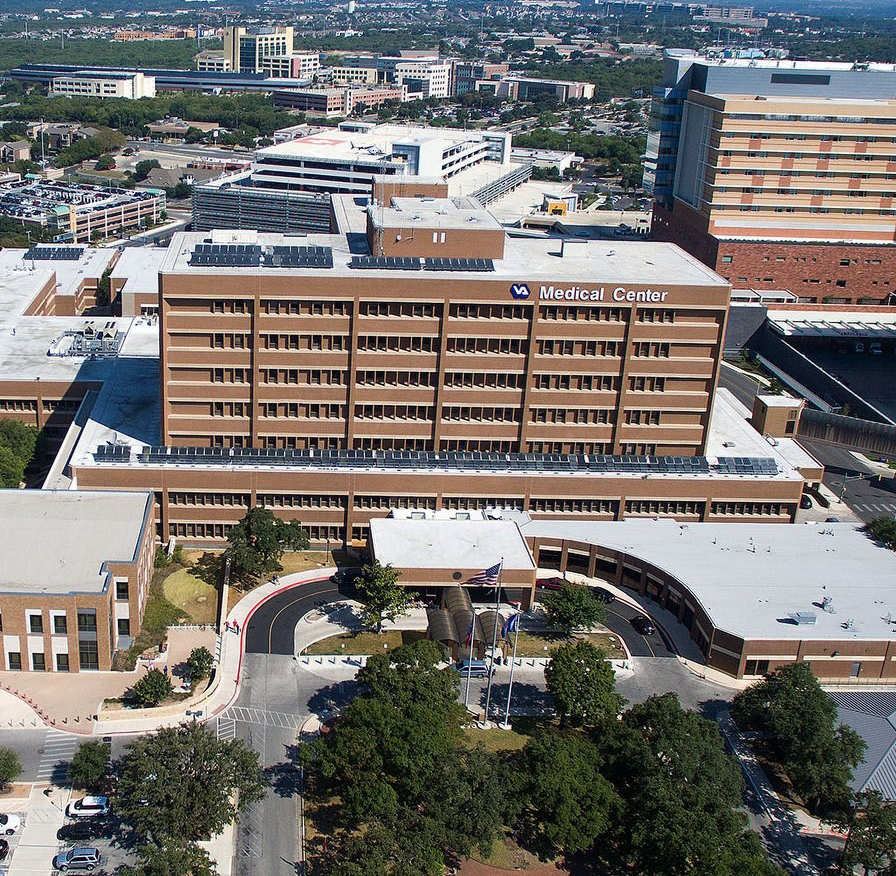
78	831
88	807
643	625
831	519
473	668
77	859
554	583
603	595
4	849
9	823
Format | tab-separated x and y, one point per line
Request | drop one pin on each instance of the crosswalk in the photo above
265	718
59	748
875	507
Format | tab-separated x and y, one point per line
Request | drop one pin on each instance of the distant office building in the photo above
335	102
212	60
424	79
465	74
246	49
80	213
103	83
289	185
524	88
386	66
732	16
303	66
779	174
349	75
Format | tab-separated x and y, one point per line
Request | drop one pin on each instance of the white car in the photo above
88	807
9	823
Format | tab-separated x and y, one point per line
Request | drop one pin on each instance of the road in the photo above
186	151
743	387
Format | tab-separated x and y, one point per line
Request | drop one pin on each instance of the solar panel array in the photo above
411	459
389	263
299	257
226	255
113	453
440	264
55	253
747	465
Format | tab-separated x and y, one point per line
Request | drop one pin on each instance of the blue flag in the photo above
510	625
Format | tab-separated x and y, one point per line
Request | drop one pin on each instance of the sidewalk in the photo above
44	815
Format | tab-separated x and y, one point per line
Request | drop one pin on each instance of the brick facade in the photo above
818	273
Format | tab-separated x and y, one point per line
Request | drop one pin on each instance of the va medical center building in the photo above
421	357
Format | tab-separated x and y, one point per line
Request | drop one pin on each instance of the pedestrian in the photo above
236	627
166	669
226	626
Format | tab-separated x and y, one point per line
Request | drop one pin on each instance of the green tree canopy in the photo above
573	607
582	683
152	688
870	826
258	542
568	803
200	663
178	785
89	768
10	767
682	793
173	859
381	594
407	783
883	530
801	719
142	168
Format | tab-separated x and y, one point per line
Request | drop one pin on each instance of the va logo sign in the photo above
520	290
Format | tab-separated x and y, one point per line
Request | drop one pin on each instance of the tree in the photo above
818	754
10	767
104	162
573	607
142	168
20	438
199	664
682	794
173	859
568	803
11	469
382	596
258	542
152	688
870	827
89	768
180	783
582	683
883	530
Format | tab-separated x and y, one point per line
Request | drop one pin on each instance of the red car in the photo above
554	583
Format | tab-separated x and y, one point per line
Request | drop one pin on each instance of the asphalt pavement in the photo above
743	387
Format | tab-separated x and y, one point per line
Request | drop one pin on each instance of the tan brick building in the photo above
75	576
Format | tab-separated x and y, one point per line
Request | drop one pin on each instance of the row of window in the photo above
750	509
565	347
85	619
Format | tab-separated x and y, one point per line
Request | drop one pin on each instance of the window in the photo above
62	662
88	654
39	662
756	667
124	626
87	620
36	623
60	624
121	590
14	658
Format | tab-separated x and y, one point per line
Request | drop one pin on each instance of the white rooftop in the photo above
139	265
57	542
583	262
829	323
470	545
749	578
433	213
374	144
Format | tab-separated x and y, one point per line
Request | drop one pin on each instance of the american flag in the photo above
486	578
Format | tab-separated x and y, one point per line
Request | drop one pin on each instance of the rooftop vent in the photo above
802	618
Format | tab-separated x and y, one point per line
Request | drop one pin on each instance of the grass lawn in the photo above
540	645
364	643
192	595
507	855
495	740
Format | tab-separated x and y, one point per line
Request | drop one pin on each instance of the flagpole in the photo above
470	657
491	674
516	638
